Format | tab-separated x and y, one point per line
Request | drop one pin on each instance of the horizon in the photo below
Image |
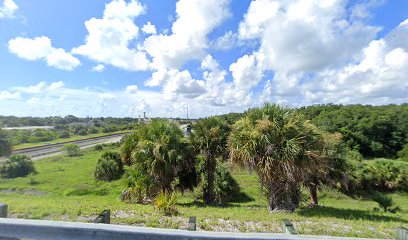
117	58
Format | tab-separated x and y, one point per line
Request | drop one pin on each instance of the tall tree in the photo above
282	147
209	136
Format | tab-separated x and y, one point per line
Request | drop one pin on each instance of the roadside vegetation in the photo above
273	161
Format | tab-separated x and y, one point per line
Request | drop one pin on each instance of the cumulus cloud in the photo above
109	38
8	9
98	68
40	48
149	28
6	95
304	35
188	40
132	89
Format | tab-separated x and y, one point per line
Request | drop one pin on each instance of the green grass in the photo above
63	140
64	189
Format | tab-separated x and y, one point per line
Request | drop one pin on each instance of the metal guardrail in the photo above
47	230
402	233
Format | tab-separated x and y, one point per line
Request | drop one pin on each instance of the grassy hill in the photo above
64	189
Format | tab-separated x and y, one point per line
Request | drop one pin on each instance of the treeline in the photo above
12	121
375	131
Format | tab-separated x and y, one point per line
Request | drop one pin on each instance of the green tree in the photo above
209	136
160	158
5	145
283	148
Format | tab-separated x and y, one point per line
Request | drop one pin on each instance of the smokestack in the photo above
144	115
187	112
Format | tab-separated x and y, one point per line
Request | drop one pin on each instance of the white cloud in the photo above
109	38
8	9
98	68
149	28
246	72
6	95
304	35
56	85
40	48
195	20
132	89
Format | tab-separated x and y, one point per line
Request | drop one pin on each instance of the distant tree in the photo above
71	149
5	144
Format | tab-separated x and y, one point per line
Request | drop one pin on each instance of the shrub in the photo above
379	175
17	166
98	147
403	154
383	200
109	167
82	132
226	189
64	134
72	149
141	188
166	203
92	130
5	145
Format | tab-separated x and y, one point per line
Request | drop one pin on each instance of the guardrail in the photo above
14	229
47	230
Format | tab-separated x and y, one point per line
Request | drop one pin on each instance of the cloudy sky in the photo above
123	57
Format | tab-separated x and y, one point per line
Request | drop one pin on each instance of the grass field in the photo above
64	189
63	140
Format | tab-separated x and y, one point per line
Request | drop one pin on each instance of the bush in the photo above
109	167
5	144
64	134
141	188
226	189
72	149
98	147
385	202
17	166
379	175
403	154
166	203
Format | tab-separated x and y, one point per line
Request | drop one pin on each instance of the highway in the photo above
55	149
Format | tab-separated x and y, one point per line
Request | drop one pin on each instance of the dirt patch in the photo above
32	192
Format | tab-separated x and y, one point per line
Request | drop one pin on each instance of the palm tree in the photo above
209	136
282	147
159	150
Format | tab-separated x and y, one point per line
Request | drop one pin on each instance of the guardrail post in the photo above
104	217
3	210
402	233
192	224
287	227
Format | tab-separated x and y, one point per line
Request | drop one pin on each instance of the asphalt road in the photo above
55	149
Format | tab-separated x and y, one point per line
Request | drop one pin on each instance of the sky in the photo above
121	58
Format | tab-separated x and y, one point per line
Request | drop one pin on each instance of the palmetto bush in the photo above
166	203
225	188
109	167
161	160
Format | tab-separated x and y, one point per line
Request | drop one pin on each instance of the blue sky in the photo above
121	58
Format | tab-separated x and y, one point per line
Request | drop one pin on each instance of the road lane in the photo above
55	149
